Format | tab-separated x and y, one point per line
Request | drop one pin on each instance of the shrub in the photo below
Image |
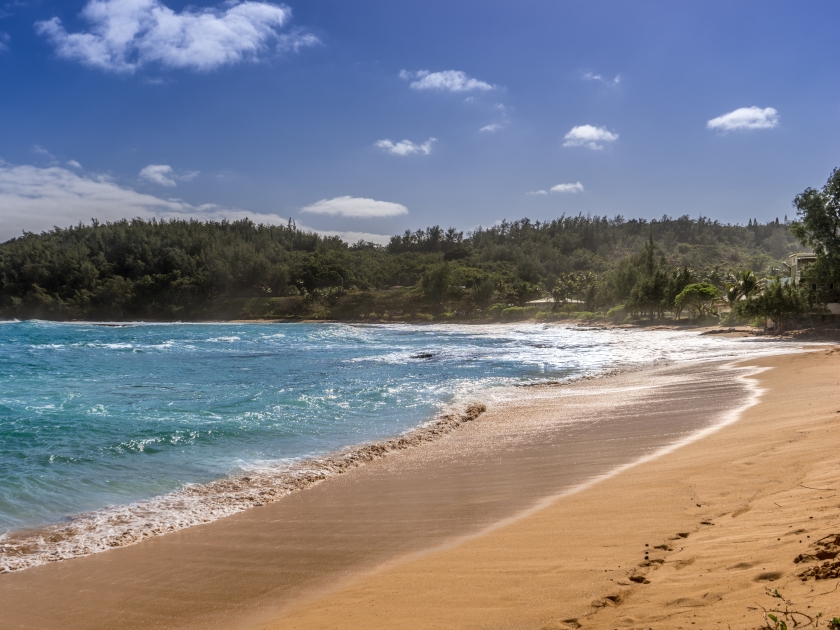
515	312
496	310
732	319
617	313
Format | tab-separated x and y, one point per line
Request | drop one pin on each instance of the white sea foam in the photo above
195	504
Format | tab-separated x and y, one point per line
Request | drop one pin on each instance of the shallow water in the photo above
98	415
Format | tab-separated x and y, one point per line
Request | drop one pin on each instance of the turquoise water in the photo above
97	415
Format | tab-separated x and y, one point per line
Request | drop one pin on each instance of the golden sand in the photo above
704	537
484	528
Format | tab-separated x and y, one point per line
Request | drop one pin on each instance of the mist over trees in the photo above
135	269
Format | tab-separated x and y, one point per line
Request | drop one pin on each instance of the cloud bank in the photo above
589	136
37	199
745	118
125	35
356	207
350	237
577	187
447	81
406	147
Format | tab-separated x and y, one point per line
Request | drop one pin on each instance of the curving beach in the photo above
535	514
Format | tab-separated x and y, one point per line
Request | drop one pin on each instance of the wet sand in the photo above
719	533
263	566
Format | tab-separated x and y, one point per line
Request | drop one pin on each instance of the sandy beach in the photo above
663	498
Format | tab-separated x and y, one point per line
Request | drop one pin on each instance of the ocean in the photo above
112	432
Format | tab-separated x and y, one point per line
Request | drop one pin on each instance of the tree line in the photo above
179	269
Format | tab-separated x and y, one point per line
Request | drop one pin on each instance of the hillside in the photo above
190	270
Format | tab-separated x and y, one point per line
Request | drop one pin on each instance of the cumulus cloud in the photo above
537	192
568	188
406	147
491	127
589	136
745	118
158	174
447	80
356	207
74	164
124	35
165	175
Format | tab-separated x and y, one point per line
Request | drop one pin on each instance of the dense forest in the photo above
188	270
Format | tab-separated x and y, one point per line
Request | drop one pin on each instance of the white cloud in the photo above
36	199
746	118
491	127
74	164
158	174
356	207
447	80
165	175
350	237
589	137
568	188
125	35
296	40
4	41
591	76
42	151
537	192
406	147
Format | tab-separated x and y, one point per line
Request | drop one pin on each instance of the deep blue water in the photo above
92	415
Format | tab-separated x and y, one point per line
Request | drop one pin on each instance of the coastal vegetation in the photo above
580	266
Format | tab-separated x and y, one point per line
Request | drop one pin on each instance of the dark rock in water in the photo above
422	355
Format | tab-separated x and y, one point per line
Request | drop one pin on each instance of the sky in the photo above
367	118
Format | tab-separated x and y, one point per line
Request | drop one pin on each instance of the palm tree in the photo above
741	284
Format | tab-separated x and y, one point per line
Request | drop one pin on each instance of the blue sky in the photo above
369	118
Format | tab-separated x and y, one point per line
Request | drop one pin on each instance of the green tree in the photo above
741	284
678	281
780	301
818	226
483	290
698	298
648	294
435	283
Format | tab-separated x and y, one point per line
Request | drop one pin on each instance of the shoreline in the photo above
737	524
195	504
512	468
94	532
